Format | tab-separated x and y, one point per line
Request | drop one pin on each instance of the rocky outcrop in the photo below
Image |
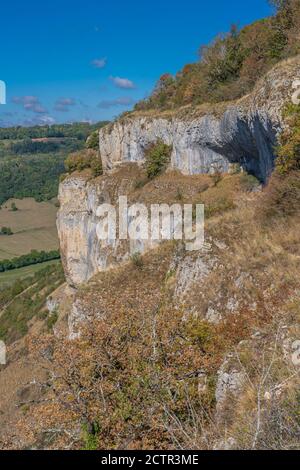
230	383
210	138
203	140
83	254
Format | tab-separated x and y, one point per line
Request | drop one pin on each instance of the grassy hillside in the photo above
25	298
144	373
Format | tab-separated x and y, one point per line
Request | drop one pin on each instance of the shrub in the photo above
51	320
96	166
137	260
199	332
6	231
79	161
216	177
158	156
248	182
219	206
179	195
289	150
140	183
93	141
90	435
282	196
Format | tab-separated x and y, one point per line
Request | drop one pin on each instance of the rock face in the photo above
231	380
83	254
210	138
204	140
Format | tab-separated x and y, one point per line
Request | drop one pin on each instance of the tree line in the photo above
78	130
34	257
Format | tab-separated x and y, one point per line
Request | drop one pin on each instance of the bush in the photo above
79	161
282	196
140	183
51	320
6	231
137	260
93	141
158	156
289	150
96	166
249	182
216	177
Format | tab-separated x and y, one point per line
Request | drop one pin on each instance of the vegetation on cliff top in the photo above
230	66
87	158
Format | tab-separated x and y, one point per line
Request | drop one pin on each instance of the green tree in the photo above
157	158
6	231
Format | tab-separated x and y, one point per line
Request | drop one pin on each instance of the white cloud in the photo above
63	104
30	103
99	63
122	82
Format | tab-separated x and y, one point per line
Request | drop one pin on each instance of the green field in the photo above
33	226
9	277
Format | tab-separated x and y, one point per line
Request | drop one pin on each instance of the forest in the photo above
32	168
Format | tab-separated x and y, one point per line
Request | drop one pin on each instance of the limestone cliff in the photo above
204	139
210	137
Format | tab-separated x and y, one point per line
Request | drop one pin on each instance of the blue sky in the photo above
66	61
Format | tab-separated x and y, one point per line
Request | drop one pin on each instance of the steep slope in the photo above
180	350
173	349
